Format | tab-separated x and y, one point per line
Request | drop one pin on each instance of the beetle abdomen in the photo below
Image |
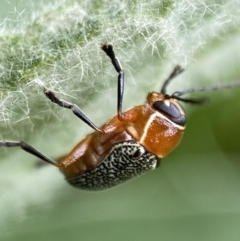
125	161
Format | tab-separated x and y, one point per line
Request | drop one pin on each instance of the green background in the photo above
194	195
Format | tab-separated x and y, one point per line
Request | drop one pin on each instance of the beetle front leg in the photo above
28	148
75	109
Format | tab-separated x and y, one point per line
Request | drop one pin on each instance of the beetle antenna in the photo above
176	71
208	88
198	101
177	94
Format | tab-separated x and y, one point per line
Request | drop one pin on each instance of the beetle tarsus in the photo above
108	49
51	96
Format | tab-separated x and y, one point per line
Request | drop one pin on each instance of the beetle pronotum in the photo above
130	143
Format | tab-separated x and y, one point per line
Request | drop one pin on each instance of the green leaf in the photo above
194	195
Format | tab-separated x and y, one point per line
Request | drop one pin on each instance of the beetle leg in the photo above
26	147
75	109
108	49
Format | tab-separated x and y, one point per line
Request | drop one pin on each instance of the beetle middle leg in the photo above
108	49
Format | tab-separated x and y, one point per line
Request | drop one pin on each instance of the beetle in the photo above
130	143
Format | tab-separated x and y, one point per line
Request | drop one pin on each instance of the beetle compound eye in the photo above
171	111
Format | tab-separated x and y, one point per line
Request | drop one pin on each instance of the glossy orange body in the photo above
143	124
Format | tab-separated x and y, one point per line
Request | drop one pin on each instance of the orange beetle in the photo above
128	145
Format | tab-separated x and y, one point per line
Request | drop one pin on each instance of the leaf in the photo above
194	195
